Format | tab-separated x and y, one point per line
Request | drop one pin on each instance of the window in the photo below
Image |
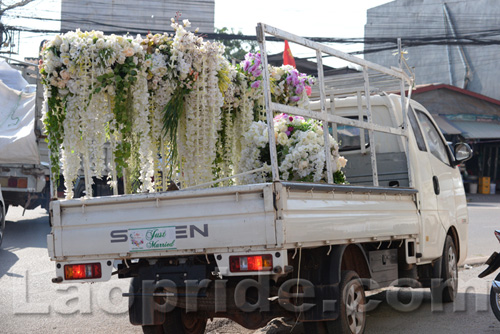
434	142
349	137
416	131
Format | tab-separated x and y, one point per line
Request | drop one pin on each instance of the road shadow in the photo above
25	233
7	260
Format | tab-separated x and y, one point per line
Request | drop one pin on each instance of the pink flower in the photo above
308	90
256	84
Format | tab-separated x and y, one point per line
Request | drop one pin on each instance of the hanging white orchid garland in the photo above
170	107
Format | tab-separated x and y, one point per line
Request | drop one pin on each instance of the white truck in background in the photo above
304	250
24	158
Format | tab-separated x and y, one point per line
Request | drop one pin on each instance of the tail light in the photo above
251	263
497	234
14	182
82	271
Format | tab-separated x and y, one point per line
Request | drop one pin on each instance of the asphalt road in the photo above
30	303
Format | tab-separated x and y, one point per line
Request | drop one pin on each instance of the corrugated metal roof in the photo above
477	130
445	126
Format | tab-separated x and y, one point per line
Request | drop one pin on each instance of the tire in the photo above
446	289
495	301
352	317
178	322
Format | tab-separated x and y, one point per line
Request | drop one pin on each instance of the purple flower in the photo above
288	133
252	68
290	128
280	116
246	65
295	98
299	90
256	84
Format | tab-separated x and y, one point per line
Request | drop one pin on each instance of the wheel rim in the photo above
452	267
355	308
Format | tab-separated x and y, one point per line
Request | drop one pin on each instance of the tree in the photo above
236	48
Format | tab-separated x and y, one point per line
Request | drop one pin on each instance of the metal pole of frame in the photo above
405	109
324	121
267	99
373	154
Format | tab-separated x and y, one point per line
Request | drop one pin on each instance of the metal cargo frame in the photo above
328	117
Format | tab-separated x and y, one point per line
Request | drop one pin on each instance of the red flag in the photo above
287	55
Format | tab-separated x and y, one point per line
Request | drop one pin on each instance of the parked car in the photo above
3	211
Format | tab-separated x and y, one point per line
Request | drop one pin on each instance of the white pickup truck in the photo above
307	250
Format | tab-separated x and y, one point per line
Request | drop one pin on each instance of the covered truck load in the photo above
24	167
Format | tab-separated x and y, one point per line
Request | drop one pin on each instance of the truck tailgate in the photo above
196	221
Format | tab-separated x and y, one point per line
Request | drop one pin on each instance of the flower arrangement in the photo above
170	106
300	148
290	86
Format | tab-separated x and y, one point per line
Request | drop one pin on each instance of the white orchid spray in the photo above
170	107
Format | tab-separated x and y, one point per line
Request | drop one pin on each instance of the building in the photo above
455	42
135	17
465	116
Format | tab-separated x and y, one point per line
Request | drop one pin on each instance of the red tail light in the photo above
82	271
251	263
497	234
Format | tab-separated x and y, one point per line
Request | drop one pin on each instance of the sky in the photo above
310	18
313	18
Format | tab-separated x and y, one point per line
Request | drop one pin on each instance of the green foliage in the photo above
53	122
122	78
236	48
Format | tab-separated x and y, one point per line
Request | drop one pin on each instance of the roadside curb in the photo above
476	260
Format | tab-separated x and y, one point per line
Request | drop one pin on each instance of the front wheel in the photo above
179	322
495	298
446	289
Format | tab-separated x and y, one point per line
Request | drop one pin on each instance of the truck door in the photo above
431	229
446	180
443	180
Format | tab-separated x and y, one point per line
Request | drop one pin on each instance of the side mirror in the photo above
463	152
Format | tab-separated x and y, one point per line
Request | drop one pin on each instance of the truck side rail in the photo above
346	188
326	116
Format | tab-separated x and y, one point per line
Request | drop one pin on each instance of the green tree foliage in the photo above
236	48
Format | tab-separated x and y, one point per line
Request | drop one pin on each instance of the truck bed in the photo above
256	217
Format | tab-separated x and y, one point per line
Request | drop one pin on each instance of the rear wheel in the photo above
179	322
352	317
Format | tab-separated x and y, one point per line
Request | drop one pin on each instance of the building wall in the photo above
122	16
440	63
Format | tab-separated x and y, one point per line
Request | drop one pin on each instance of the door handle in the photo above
435	182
